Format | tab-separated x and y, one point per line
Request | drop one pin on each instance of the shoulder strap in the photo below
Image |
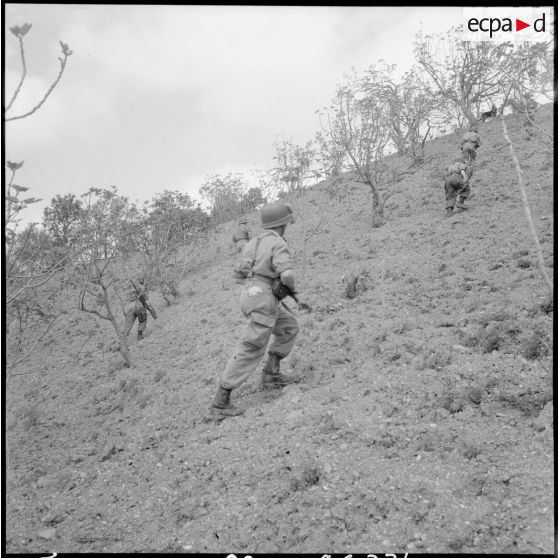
259	238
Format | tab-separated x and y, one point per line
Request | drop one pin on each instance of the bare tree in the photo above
294	164
224	195
160	234
409	102
29	265
466	73
26	270
527	76
330	151
360	124
20	32
98	279
105	243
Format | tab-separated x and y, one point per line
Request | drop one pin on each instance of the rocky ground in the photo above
423	421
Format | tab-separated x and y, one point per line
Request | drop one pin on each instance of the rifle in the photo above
301	305
281	291
462	187
143	300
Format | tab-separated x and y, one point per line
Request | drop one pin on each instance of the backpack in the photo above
454	168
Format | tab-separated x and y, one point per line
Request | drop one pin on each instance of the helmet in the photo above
474	127
277	214
242	220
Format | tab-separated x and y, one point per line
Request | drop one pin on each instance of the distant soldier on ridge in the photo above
470	142
241	235
489	113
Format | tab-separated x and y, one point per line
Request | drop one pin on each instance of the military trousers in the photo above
135	310
268	320
453	184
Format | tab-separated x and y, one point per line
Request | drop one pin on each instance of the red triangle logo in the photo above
519	25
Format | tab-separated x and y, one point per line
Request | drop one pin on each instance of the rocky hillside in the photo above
422	422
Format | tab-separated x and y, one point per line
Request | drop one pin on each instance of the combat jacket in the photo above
459	166
272	258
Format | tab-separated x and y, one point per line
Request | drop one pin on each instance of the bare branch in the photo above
19	360
24	73
50	90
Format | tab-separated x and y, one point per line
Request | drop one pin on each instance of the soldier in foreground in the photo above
470	142
137	308
456	185
267	264
241	235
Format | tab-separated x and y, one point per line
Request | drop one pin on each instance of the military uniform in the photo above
240	237
135	309
263	260
470	142
457	174
266	314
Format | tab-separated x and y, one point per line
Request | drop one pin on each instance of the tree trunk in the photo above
123	341
121	334
468	114
377	207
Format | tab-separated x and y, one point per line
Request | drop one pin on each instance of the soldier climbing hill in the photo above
457	185
137	308
267	265
470	142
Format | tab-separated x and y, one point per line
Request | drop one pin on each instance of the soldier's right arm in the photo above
283	264
287	278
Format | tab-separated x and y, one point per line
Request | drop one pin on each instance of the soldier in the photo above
263	260
489	113
456	184
135	309
470	142
241	235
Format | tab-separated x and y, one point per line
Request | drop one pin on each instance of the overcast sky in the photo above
158	97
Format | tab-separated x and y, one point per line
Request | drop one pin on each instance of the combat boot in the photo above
140	335
461	205
222	406
271	377
449	211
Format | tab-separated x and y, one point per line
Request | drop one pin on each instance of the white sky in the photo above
158	97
